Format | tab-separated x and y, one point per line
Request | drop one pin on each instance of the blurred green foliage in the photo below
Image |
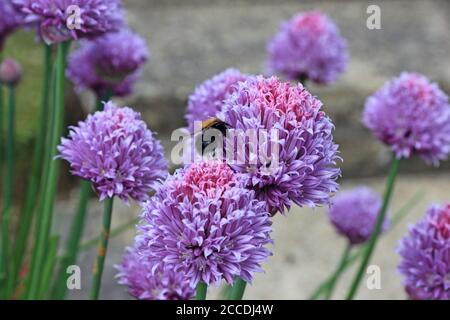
23	47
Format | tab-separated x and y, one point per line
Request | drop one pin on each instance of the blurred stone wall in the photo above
191	40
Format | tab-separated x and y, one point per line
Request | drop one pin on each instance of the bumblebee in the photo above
209	124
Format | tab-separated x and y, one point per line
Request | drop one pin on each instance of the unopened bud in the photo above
10	72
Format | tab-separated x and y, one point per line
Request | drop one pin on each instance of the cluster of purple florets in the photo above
109	65
62	20
425	256
211	222
308	47
10	20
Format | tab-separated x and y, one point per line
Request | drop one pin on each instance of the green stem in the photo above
321	288
2	260
49	266
1	126
202	288
238	289
26	216
377	230
49	192
1	119
76	231
340	268
114	232
102	249
398	216
8	188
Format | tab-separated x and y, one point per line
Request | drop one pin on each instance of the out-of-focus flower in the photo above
207	99
298	165
10	72
61	20
116	152
411	115
309	46
9	21
416	293
144	283
202	223
110	64
425	256
354	214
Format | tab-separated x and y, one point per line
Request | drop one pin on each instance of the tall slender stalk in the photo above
339	269
76	231
26	216
1	125
8	187
51	179
377	230
398	216
114	232
49	266
1	120
2	260
238	289
201	291
102	249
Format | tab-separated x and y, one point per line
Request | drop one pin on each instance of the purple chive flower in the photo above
309	46
354	214
412	116
202	223
58	20
206	101
303	170
425	256
10	20
144	283
110	64
116	152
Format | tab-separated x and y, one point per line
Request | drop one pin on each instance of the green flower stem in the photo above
76	231
102	249
8	187
2	260
114	232
49	192
26	215
238	289
202	288
49	266
398	216
324	285
225	291
378	226
340	268
1	126
1	119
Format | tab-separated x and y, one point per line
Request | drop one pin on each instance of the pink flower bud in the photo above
10	72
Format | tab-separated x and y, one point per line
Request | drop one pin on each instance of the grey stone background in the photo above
193	40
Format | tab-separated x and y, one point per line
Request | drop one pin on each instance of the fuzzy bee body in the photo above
210	124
